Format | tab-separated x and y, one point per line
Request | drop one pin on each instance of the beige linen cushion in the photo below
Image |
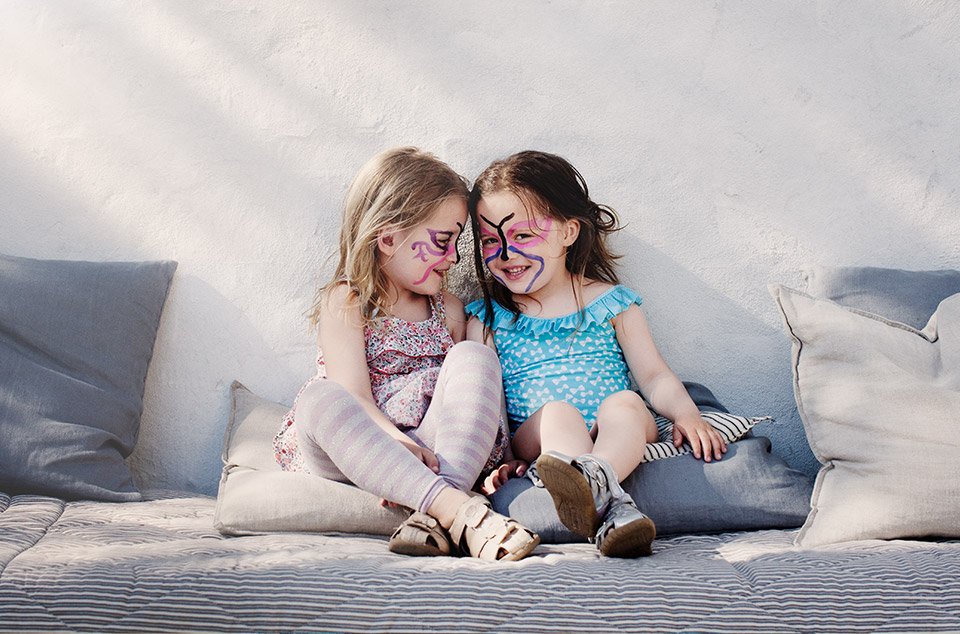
256	496
879	402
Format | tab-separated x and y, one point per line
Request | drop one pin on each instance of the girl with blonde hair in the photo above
401	406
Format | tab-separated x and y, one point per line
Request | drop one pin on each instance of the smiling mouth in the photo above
514	272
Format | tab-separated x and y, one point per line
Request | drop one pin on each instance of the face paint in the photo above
438	247
521	235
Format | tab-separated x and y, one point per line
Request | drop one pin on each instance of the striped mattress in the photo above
160	566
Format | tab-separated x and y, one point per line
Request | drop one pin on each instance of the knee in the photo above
627	402
558	415
317	402
473	352
624	399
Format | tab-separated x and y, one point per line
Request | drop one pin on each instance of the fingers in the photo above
712	444
496	479
704	440
488	487
696	442
430	459
500	476
719	445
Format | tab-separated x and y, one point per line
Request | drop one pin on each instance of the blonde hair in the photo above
395	190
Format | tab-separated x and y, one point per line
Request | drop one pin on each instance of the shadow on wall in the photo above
708	338
816	132
206	339
41	218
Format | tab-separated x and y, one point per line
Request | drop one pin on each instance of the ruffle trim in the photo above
607	306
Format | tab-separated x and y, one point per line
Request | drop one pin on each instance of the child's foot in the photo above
420	536
580	500
485	534
625	531
591	503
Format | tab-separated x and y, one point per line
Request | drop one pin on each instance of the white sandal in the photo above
420	535
485	534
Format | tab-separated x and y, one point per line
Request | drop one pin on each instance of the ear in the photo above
571	231
387	242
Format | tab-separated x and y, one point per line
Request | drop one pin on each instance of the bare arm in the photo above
661	386
456	319
475	333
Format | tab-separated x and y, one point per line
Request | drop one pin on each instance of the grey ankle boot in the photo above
624	531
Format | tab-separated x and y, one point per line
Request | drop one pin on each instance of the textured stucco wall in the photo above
740	142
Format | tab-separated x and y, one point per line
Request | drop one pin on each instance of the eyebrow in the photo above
531	224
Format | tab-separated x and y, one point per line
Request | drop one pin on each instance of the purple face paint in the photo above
438	247
521	233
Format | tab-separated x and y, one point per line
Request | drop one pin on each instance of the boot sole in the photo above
632	540
571	495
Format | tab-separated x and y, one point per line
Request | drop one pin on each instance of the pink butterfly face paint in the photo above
436	249
523	237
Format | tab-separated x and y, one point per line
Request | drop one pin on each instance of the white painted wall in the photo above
740	141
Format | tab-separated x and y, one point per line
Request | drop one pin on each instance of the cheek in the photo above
490	249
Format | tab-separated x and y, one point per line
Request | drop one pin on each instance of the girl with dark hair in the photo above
570	337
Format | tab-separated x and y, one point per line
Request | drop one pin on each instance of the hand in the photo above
703	438
499	476
425	456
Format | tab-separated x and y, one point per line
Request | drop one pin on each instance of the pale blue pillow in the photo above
76	340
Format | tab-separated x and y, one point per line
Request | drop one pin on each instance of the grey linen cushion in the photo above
750	488
878	400
909	297
76	340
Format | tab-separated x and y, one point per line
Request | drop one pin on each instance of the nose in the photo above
454	252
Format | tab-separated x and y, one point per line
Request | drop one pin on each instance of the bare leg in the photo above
557	426
624	427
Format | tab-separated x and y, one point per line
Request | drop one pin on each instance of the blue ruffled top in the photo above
575	358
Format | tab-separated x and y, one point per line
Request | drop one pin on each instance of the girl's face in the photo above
416	259
523	248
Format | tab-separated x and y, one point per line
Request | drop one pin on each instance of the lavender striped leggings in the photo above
339	441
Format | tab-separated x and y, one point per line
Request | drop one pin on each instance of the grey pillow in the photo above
76	340
750	488
909	297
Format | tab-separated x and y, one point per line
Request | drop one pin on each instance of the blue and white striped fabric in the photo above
160	566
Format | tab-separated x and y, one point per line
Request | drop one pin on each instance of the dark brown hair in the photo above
559	191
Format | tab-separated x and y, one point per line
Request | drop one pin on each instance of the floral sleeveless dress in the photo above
404	359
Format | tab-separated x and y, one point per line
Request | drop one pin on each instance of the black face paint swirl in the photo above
500	234
456	245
